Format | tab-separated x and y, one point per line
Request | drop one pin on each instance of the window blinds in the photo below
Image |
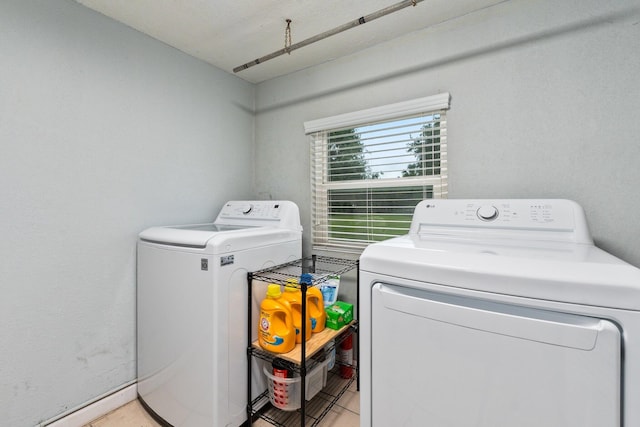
367	178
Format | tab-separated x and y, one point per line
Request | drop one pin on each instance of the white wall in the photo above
545	104
103	132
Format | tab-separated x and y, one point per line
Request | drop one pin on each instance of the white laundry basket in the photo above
284	393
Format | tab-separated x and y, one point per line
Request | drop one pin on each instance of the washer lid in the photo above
264	221
191	235
211	227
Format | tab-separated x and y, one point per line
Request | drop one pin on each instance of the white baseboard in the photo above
98	408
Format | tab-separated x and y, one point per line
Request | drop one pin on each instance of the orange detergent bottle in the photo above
293	296
315	304
276	332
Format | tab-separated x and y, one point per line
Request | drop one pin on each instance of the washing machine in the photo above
498	313
192	310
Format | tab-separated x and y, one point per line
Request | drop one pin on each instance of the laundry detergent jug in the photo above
276	332
293	297
315	304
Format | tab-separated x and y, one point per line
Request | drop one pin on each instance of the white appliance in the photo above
192	309
498	313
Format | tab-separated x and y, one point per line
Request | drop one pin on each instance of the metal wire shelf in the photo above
316	408
312	412
321	267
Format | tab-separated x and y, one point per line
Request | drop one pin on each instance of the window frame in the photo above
320	186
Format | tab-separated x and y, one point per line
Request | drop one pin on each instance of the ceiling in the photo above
228	34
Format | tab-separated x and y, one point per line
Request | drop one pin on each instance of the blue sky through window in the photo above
386	144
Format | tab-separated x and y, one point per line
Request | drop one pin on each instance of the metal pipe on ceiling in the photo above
362	20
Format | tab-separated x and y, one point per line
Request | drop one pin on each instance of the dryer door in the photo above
448	361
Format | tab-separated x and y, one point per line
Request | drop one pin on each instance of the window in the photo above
370	168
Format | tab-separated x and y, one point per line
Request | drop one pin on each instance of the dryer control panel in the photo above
545	219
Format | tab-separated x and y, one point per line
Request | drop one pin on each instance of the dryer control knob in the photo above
487	213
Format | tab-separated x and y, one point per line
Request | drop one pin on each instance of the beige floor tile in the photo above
130	415
261	423
344	414
340	417
350	400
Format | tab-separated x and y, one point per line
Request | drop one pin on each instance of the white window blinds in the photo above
368	175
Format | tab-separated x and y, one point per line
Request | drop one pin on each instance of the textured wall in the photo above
545	104
104	132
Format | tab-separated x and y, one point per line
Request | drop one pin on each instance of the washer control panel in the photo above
254	209
259	213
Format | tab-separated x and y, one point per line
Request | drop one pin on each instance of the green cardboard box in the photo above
339	314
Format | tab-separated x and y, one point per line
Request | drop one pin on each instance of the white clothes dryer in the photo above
498	313
192	310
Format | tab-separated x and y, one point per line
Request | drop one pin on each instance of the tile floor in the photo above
344	414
